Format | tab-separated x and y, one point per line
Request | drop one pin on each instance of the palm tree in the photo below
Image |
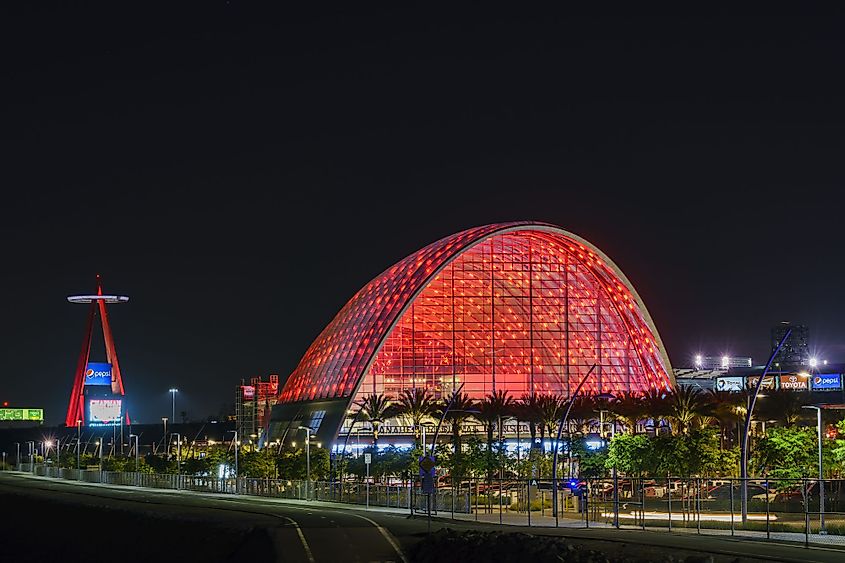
657	405
462	409
416	404
630	408
686	407
491	410
528	409
376	408
726	408
781	405
551	409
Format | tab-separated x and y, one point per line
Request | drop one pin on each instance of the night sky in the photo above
240	174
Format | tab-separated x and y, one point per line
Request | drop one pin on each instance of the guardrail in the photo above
791	510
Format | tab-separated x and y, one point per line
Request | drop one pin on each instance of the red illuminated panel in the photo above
522	307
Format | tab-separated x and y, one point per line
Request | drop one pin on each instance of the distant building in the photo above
795	351
253	402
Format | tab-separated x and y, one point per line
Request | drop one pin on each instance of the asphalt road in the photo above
147	522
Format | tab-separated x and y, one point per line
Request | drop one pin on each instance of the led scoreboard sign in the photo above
36	415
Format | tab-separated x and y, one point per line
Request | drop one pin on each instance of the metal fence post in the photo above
642	504
669	498
731	484
768	528
698	505
528	503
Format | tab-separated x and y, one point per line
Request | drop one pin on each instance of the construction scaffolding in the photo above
253	402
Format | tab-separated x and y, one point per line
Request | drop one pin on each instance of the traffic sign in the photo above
368	458
427	463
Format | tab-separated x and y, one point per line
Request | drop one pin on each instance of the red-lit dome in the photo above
523	307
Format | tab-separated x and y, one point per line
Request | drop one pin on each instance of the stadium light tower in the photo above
97	304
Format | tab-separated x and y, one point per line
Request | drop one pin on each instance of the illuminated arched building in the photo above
470	309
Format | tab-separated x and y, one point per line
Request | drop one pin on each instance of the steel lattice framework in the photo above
521	307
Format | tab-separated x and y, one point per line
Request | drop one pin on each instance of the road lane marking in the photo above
305	545
387	535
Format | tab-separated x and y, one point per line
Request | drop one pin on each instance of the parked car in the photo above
723	492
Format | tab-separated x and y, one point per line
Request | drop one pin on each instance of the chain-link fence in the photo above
801	510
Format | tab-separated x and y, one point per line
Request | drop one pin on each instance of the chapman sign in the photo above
795	382
827	382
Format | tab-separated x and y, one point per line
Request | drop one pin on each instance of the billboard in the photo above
795	382
768	382
97	373
22	414
104	412
827	382
249	391
730	383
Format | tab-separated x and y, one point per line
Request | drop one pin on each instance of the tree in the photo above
686	405
461	410
416	405
551	408
630	409
258	463
629	453
781	405
292	463
491	411
376	409
787	453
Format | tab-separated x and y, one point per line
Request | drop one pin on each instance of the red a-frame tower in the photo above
98	301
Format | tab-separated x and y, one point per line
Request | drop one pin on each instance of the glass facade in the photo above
524	308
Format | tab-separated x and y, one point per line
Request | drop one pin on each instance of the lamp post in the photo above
563	421
136	450
178	452
307	461
173	392
166	439
78	442
31	456
822	529
743	452
235	443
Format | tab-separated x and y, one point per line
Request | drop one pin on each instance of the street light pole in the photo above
173	392
822	529
235	443
166	439
556	444
307	461
78	444
743	452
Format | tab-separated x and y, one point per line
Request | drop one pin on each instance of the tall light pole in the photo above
178	452
743	451
173	392
136	450
556	444
78	442
165	440
235	443
822	529
307	461
31	456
